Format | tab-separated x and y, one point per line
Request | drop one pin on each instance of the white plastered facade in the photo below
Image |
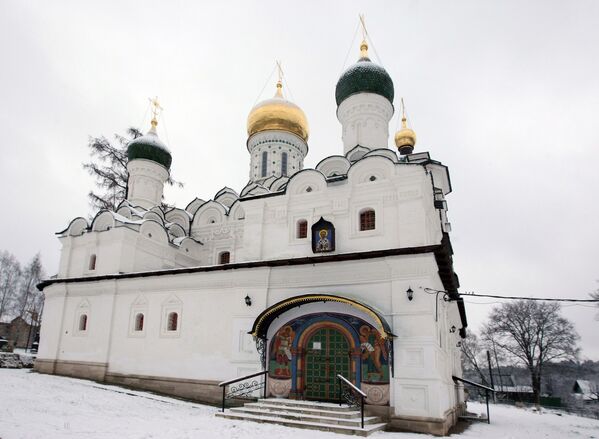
154	262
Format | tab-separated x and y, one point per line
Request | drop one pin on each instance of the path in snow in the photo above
49	407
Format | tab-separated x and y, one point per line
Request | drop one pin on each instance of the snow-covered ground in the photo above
43	406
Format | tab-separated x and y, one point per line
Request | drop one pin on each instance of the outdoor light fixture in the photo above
410	294
459	344
248	300
452	329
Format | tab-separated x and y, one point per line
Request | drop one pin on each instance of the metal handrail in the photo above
224	384
355	390
480	386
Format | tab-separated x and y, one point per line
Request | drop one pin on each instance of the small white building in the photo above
306	273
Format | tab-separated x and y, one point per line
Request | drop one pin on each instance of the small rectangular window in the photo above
224	258
264	163
92	262
284	164
367	220
302	229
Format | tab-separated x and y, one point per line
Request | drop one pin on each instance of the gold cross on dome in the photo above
280	71
156	110
363	25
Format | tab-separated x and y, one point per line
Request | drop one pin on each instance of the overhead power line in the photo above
496	296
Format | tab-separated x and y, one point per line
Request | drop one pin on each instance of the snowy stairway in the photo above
306	414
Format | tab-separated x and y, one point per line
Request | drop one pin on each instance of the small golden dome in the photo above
278	113
405	138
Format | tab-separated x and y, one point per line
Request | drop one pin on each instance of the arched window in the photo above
284	164
264	163
172	321
139	322
92	262
367	220
302	229
83	322
224	258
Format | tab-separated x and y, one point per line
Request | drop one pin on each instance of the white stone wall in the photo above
146	182
212	341
123	250
364	121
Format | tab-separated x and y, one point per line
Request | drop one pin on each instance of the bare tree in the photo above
532	333
108	166
10	272
473	355
30	301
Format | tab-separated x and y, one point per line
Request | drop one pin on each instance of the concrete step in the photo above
354	421
336	428
308	404
308	410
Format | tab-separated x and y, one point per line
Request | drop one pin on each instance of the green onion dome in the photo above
364	77
150	147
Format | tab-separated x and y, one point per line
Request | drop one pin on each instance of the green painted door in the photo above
327	354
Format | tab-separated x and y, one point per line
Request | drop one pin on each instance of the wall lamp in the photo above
248	300
410	294
452	329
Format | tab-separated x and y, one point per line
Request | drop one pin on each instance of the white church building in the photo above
306	274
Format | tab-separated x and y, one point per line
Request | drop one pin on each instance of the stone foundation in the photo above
78	369
421	424
195	390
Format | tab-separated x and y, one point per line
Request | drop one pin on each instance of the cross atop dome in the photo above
156	110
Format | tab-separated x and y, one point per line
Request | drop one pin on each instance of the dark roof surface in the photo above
364	76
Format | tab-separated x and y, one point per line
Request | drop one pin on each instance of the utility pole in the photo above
490	373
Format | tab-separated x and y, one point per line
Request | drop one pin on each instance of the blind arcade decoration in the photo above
323	236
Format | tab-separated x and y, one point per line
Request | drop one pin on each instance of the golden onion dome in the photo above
405	138
278	113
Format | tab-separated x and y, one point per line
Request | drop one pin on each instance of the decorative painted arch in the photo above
266	317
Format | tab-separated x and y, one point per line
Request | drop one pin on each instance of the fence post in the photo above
265	384
362	409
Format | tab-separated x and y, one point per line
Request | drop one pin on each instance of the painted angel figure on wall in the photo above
374	354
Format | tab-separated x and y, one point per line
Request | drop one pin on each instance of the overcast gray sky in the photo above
506	93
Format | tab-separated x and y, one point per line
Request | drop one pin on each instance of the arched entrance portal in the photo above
307	343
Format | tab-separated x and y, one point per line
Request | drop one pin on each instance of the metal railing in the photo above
351	394
480	386
244	389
